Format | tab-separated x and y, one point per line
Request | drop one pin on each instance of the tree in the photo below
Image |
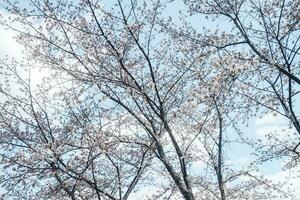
65	149
267	35
136	99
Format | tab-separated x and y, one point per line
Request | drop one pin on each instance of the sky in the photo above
10	48
258	127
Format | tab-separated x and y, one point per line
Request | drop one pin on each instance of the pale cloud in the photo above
275	125
239	162
289	180
11	49
270	119
279	127
8	44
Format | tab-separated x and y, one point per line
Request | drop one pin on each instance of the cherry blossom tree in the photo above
133	100
65	149
266	34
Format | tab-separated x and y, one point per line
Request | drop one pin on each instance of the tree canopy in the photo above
149	99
